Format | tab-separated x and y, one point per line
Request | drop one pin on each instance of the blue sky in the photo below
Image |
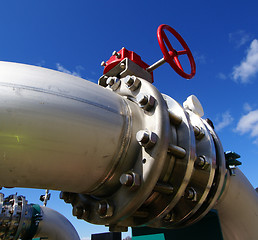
75	36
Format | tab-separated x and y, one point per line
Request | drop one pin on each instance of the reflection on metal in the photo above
122	153
19	220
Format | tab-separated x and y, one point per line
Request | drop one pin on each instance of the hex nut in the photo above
66	196
115	53
201	162
146	138
126	179
105	209
146	102
113	82
169	217
191	194
132	82
103	64
78	211
131	180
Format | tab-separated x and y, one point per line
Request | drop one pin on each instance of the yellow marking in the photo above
18	139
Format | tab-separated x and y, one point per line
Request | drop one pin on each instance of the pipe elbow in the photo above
55	226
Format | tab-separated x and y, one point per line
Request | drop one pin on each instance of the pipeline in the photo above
121	153
20	220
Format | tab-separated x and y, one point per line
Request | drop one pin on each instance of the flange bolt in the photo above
146	139
105	209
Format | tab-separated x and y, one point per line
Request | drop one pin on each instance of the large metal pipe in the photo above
54	226
123	155
58	131
238	209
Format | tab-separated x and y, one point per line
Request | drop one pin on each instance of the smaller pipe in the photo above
55	226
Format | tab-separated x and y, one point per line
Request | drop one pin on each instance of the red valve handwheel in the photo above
171	55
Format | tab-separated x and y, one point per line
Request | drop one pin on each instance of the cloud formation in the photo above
248	68
225	120
248	124
76	73
239	38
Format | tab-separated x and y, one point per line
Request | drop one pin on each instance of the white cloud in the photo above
41	63
200	58
74	73
249	65
248	124
239	38
225	120
222	76
85	238
247	107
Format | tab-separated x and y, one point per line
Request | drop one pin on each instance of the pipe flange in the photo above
148	156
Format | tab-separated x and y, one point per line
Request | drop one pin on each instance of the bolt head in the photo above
122	65
115	53
191	194
146	139
142	137
126	179
146	102
132	82
129	80
130	179
113	82
169	217
142	99
78	211
110	81
201	162
105	209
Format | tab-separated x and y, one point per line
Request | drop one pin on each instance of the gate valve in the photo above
170	55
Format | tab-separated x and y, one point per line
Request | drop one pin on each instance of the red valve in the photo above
171	55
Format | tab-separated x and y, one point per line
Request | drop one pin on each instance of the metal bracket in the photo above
124	68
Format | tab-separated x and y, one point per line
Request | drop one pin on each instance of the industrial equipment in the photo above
122	153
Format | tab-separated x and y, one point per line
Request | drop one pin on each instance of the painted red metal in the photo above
122	54
171	55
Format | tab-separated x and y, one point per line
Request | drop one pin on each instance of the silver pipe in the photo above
57	130
238	209
55	226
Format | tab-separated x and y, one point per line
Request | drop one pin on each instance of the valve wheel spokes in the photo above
171	55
